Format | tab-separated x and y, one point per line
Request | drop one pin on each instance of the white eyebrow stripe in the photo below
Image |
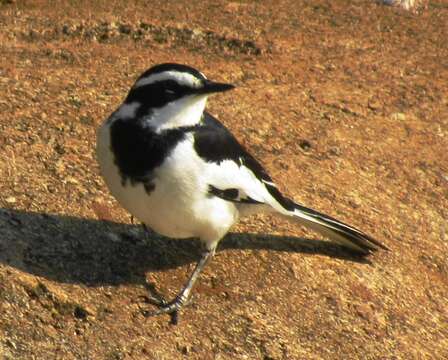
179	77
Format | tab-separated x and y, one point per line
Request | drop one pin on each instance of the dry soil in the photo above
344	102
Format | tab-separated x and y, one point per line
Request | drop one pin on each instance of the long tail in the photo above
335	230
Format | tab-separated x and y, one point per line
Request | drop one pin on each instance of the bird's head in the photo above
172	95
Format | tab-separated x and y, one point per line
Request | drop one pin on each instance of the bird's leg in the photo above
184	295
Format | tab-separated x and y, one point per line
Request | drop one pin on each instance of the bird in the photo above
182	173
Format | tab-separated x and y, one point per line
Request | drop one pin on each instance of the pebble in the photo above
71	180
399	116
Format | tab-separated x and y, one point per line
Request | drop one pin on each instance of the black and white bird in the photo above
182	173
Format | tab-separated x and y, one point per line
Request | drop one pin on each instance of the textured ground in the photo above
345	102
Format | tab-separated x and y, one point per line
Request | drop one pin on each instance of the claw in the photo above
172	308
157	301
169	308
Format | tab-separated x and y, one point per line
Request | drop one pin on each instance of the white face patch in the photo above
181	78
183	112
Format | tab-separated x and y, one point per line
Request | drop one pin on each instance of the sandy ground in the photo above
345	102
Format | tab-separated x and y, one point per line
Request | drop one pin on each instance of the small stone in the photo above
71	180
305	145
197	33
399	116
81	312
185	349
11	200
335	151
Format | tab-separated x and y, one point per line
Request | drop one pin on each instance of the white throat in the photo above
183	112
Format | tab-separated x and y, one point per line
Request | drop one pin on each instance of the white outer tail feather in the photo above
335	230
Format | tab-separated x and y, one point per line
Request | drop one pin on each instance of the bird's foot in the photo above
184	297
172	307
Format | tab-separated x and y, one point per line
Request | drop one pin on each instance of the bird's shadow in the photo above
96	253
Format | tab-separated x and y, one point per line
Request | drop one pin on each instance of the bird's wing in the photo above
236	175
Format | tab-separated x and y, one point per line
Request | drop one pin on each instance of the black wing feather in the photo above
215	143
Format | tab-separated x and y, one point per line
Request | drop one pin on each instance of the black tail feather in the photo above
337	230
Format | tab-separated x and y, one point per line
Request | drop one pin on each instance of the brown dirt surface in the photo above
344	102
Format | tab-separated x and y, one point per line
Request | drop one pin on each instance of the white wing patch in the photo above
230	175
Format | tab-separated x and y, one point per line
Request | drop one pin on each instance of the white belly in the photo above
179	206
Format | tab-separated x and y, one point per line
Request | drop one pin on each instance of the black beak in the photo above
211	87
